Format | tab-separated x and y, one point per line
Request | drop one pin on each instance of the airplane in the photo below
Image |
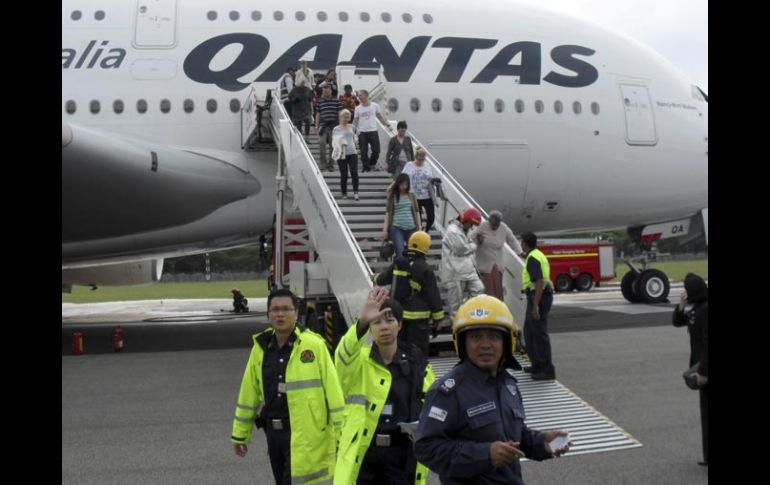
563	125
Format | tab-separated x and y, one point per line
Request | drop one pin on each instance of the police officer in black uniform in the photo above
471	427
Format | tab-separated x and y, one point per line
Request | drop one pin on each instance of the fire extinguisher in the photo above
77	343
117	339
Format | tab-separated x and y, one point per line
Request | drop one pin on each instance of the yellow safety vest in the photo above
315	401
366	384
526	280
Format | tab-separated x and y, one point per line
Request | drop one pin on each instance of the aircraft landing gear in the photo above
646	285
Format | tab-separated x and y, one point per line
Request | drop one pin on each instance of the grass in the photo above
163	291
676	270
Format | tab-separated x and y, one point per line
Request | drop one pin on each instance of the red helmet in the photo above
470	215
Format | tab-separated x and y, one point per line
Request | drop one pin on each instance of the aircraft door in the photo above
640	122
155	24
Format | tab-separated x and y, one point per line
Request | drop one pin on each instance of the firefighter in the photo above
458	273
384	385
240	303
290	388
536	283
471	428
413	284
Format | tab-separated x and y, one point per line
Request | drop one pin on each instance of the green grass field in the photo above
161	291
676	270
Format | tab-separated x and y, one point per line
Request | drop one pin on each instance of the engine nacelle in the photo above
121	274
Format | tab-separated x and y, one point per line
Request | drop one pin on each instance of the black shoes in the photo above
542	376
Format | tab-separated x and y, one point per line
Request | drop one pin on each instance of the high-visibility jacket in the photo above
415	286
545	267
366	383
315	401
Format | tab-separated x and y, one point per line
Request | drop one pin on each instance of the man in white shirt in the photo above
366	124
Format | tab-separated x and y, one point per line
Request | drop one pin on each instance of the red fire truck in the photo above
578	263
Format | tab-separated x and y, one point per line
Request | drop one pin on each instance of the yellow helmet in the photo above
485	311
419	241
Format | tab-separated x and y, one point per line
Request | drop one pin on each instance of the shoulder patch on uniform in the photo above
447	386
481	408
437	414
307	356
511	389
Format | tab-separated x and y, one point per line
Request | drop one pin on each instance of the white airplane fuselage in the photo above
629	146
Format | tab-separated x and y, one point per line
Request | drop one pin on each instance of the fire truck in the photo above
578	264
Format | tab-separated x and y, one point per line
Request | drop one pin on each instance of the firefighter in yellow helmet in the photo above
414	285
472	427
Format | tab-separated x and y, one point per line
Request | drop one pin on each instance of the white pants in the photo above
459	291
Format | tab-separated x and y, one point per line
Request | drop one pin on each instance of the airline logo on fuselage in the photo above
398	67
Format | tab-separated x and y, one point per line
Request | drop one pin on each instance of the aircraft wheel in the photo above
628	287
653	286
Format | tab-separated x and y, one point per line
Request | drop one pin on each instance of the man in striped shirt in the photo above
326	117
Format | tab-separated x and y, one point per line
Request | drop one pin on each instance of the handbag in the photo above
690	377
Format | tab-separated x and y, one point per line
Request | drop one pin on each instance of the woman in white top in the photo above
349	158
420	176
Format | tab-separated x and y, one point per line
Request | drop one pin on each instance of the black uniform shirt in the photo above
274	376
535	270
396	408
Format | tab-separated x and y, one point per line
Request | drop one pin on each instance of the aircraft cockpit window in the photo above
414	105
117	106
364	17
234	15
407	18
698	94
499	105
595	108
436	105
558	107
76	15
211	15
428	18
392	105
165	106
539	107
457	105
188	105
519	106
299	16
211	105
344	16
95	107
256	15
99	15
141	106
322	16
70	106
577	107
386	17
478	105
235	105
278	15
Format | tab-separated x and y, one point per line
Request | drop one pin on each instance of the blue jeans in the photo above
400	237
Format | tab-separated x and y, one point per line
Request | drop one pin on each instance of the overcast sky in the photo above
677	29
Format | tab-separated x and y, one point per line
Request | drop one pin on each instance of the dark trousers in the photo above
298	122
365	139
536	335
287	107
416	332
351	162
430	212
386	466
704	420
279	450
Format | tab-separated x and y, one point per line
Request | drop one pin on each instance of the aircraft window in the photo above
558	106
386	17
299	16
539	107
595	108
165	106
95	107
322	16
235	105
436	105
234	15
212	15
499	105
188	105
211	105
407	18
577	107
99	15
478	105
457	105
71	107
76	15
278	15
117	106
519	106
141	106
256	15
344	16
364	17
414	105
427	18
392	105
